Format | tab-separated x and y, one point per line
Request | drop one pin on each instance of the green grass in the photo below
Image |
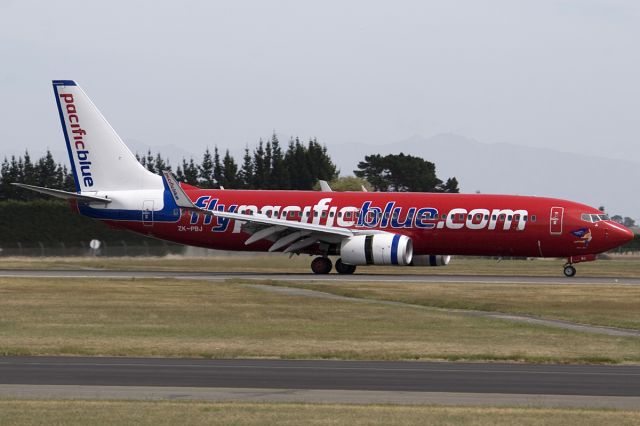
147	317
596	304
617	266
196	413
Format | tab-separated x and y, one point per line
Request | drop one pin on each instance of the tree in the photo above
400	172
188	172
319	162
150	162
205	171
229	177
374	170
306	164
450	186
159	164
246	173
45	172
217	167
261	167
296	164
279	173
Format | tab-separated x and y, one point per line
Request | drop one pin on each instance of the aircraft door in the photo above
555	221
147	212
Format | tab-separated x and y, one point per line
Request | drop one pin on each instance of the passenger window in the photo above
461	216
494	217
524	218
486	217
533	218
509	217
501	217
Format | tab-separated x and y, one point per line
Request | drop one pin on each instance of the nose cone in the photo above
619	235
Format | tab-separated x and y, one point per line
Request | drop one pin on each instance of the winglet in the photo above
324	186
179	196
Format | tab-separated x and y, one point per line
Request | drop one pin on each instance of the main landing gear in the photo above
344	268
322	265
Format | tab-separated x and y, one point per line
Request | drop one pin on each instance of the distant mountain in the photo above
512	169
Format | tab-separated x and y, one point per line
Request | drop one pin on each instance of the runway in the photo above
222	276
319	381
412	379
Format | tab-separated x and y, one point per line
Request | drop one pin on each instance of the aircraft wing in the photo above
291	234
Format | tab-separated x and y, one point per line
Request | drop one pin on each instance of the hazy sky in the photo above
557	74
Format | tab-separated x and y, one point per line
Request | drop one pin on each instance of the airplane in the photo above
360	228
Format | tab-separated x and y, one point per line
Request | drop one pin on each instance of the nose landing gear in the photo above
569	270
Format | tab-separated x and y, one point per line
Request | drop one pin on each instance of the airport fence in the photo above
91	248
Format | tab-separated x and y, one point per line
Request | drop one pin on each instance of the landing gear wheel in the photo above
343	268
321	265
569	271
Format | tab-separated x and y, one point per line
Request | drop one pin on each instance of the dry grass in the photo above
208	413
618	266
146	317
598	304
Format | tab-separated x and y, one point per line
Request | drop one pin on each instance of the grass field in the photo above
196	413
597	304
618	266
146	317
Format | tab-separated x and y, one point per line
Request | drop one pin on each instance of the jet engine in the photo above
430	260
377	249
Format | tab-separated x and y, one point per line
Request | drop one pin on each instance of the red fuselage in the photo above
448	224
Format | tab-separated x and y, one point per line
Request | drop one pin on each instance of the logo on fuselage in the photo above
388	216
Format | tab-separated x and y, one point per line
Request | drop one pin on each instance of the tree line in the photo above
268	166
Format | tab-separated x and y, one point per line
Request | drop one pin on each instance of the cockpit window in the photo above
594	217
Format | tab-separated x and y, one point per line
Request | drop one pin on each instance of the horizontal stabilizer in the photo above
64	194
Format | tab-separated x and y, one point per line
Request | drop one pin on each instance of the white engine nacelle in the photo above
430	260
377	249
